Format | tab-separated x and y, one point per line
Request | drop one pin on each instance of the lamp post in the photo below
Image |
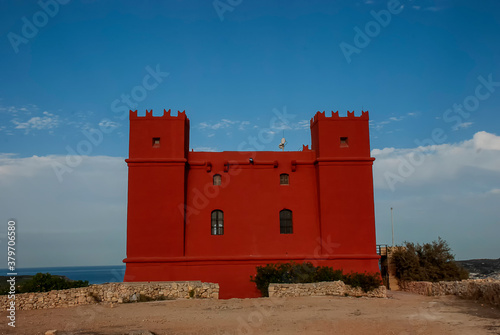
392	225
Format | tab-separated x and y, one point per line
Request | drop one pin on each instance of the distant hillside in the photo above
482	268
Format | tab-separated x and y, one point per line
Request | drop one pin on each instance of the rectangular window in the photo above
156	142
344	142
283	179
217	222
286	223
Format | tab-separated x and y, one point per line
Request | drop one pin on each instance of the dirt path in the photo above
400	314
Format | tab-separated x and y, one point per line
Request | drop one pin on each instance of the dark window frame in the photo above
284	179
286	221
344	142
156	142
217	222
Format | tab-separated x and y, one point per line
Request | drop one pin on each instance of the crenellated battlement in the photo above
166	114
336	117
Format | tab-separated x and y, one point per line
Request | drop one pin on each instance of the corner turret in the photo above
337	136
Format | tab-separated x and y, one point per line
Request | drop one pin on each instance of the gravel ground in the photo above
401	313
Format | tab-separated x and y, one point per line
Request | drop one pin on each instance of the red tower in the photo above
345	186
215	216
156	184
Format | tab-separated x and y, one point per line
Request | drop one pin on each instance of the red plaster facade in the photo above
172	199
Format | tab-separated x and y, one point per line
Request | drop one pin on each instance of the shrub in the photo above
325	273
367	281
428	262
290	273
44	282
283	273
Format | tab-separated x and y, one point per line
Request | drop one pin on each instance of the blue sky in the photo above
71	69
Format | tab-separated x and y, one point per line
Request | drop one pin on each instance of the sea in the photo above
94	274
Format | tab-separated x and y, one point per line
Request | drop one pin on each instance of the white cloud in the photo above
462	125
47	121
433	164
304	124
287	125
26	109
269	132
494	191
487	141
243	124
447	190
90	202
223	123
107	124
379	125
382	152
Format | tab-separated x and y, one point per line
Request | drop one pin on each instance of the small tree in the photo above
428	262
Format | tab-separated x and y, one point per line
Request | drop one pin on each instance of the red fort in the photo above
216	216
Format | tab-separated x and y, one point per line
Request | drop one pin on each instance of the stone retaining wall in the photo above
113	293
322	288
487	290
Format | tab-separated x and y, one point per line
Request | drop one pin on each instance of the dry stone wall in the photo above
113	293
323	288
486	290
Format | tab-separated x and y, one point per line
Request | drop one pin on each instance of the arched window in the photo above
286	224
283	179
217	222
217	179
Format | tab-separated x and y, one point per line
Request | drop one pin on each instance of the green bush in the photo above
366	281
428	262
291	273
326	273
46	282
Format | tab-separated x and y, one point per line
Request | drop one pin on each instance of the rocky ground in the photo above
482	268
399	314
